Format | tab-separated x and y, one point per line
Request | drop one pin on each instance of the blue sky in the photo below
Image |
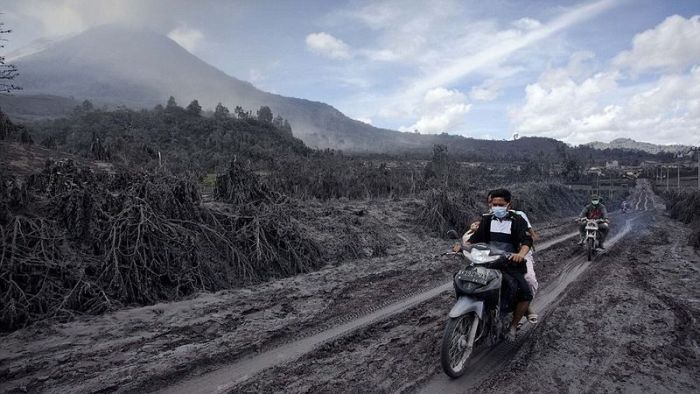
573	70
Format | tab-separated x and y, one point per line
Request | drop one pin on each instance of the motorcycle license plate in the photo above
474	276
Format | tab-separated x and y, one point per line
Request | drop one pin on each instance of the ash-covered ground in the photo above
626	322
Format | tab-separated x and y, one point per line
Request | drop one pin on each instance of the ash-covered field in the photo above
285	269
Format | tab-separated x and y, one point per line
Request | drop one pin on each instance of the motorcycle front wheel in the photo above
454	353
590	248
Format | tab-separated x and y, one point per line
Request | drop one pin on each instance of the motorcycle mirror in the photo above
452	234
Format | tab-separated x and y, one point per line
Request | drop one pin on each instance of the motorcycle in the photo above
592	239
481	316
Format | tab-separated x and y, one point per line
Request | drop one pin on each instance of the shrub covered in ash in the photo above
546	201
77	242
240	185
444	210
685	206
330	175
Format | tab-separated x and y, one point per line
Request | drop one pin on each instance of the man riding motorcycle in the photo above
595	210
530	276
507	231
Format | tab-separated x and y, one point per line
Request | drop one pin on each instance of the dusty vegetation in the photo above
80	240
74	241
685	206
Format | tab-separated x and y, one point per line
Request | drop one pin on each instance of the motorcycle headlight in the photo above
479	255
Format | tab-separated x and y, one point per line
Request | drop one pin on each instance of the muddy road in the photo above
626	321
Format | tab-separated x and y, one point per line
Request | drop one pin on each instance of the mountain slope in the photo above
114	65
139	68
630	144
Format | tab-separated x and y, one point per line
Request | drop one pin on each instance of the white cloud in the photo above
56	19
364	120
61	17
254	75
326	45
559	106
527	24
487	91
382	55
579	103
507	45
187	37
442	110
672	45
564	103
443	47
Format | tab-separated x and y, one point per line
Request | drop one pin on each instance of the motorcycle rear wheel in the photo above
454	353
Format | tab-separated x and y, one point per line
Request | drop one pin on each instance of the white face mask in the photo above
595	202
499	212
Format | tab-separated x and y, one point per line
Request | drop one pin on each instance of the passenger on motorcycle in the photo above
507	231
530	276
594	210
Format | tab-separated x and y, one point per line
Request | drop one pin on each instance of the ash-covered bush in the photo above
445	210
685	207
77	242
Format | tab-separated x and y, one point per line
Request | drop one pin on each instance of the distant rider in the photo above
624	205
595	210
507	231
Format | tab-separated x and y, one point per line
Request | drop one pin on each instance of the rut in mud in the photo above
389	357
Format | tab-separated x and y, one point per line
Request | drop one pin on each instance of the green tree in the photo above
265	114
87	106
438	166
8	72
240	113
171	103
221	112
287	127
278	122
194	108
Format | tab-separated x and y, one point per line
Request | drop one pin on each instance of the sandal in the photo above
532	318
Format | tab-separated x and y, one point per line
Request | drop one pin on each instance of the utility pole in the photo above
679	178
667	176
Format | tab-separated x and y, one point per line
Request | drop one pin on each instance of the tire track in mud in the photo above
646	201
547	300
227	377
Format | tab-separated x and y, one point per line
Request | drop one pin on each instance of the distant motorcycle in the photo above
481	316
592	240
